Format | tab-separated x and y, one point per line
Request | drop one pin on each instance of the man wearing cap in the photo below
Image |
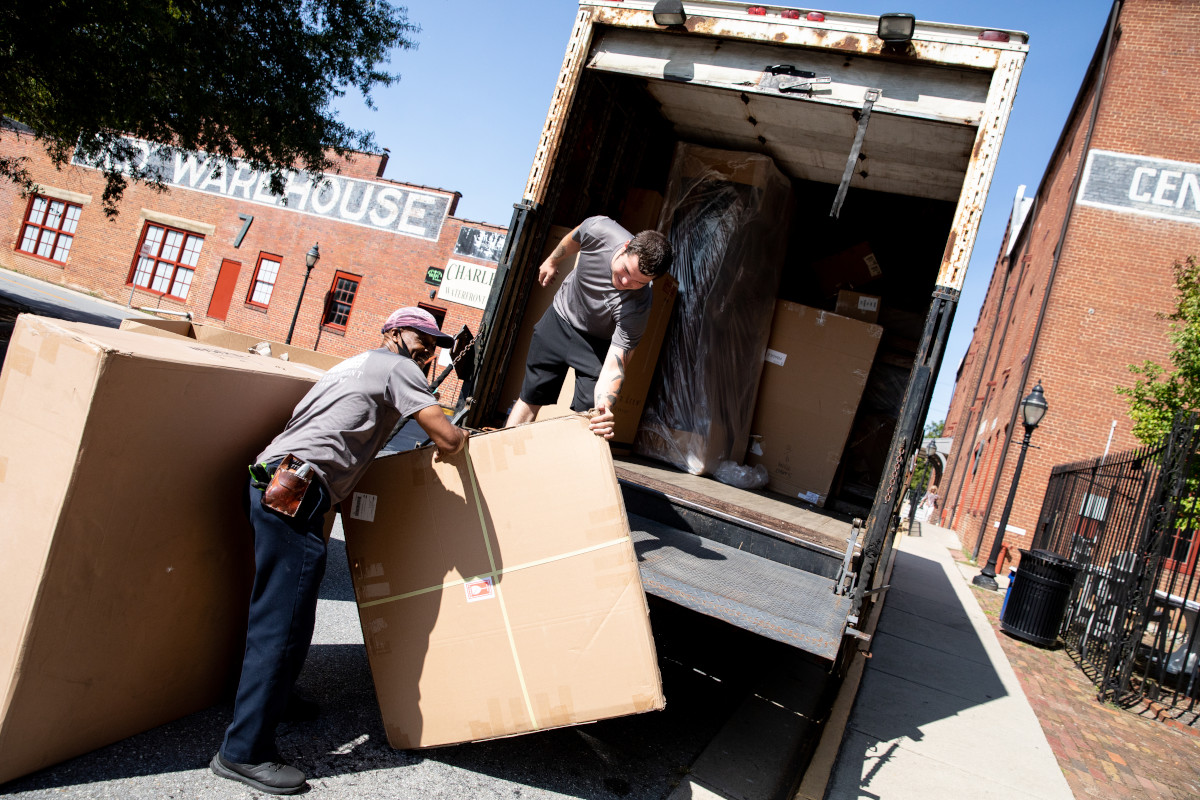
598	316
335	432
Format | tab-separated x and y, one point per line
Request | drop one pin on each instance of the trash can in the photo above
1038	597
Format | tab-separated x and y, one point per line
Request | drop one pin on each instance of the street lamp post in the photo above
310	260
1033	408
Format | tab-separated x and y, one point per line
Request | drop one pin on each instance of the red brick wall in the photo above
1114	275
392	266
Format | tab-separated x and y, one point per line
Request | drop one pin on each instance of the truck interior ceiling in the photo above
621	138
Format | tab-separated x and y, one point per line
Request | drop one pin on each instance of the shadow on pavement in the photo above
928	665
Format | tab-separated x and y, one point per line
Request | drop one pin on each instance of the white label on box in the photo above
775	357
872	265
755	448
362	506
479	589
868	304
809	497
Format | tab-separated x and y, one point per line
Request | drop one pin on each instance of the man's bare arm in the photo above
612	377
565	249
608	389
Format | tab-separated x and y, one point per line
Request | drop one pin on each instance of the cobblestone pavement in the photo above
1104	751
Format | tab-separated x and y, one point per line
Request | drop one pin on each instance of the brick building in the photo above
217	244
1085	268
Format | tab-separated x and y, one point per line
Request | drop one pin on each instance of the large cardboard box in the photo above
499	591
125	557
851	268
639	372
815	368
859	306
231	340
540	298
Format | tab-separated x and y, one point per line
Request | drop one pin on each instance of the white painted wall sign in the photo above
386	206
466	284
1152	187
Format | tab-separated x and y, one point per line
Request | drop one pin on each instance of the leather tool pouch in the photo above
287	487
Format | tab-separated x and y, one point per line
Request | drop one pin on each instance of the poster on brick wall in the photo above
466	284
1153	187
480	244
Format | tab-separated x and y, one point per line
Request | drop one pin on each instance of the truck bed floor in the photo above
782	603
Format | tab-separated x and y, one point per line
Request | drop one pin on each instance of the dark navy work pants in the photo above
289	559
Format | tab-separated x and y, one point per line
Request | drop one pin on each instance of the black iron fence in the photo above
1130	522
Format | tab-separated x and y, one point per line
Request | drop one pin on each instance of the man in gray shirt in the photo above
597	318
335	432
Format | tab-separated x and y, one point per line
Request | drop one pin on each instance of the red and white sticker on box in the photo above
479	589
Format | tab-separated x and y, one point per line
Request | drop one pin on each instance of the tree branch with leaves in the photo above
1158	394
244	79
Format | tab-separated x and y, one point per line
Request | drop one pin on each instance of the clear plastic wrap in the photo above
727	216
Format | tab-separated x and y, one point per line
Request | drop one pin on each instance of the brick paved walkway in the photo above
1105	752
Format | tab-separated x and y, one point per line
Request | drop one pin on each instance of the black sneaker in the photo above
270	776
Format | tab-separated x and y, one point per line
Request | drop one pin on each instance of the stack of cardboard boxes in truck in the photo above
739	374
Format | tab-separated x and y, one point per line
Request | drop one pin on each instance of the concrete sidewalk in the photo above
940	712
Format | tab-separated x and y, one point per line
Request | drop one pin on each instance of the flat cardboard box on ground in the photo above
125	557
230	340
815	369
499	592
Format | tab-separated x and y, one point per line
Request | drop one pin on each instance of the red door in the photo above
218	307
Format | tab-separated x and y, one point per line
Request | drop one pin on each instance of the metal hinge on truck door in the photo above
855	149
787	78
845	577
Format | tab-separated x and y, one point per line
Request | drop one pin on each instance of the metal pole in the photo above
307	271
987	577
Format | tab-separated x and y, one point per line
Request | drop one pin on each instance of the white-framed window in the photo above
49	228
262	285
166	260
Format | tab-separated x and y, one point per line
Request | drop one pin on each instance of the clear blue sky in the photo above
468	109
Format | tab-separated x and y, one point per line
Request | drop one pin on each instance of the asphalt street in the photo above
709	671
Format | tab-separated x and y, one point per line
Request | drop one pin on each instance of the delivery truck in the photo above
821	176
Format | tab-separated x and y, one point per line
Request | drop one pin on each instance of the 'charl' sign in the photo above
1153	187
467	284
400	209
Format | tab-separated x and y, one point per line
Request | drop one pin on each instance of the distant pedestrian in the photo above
335	432
595	321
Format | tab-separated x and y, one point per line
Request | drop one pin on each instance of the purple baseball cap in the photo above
419	320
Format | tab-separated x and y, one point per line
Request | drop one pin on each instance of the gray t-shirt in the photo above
587	299
346	418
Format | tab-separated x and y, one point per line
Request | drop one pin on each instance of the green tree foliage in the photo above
1158	394
923	471
251	79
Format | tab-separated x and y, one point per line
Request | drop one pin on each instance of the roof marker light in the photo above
790	13
669	12
896	27
758	11
815	16
994	36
